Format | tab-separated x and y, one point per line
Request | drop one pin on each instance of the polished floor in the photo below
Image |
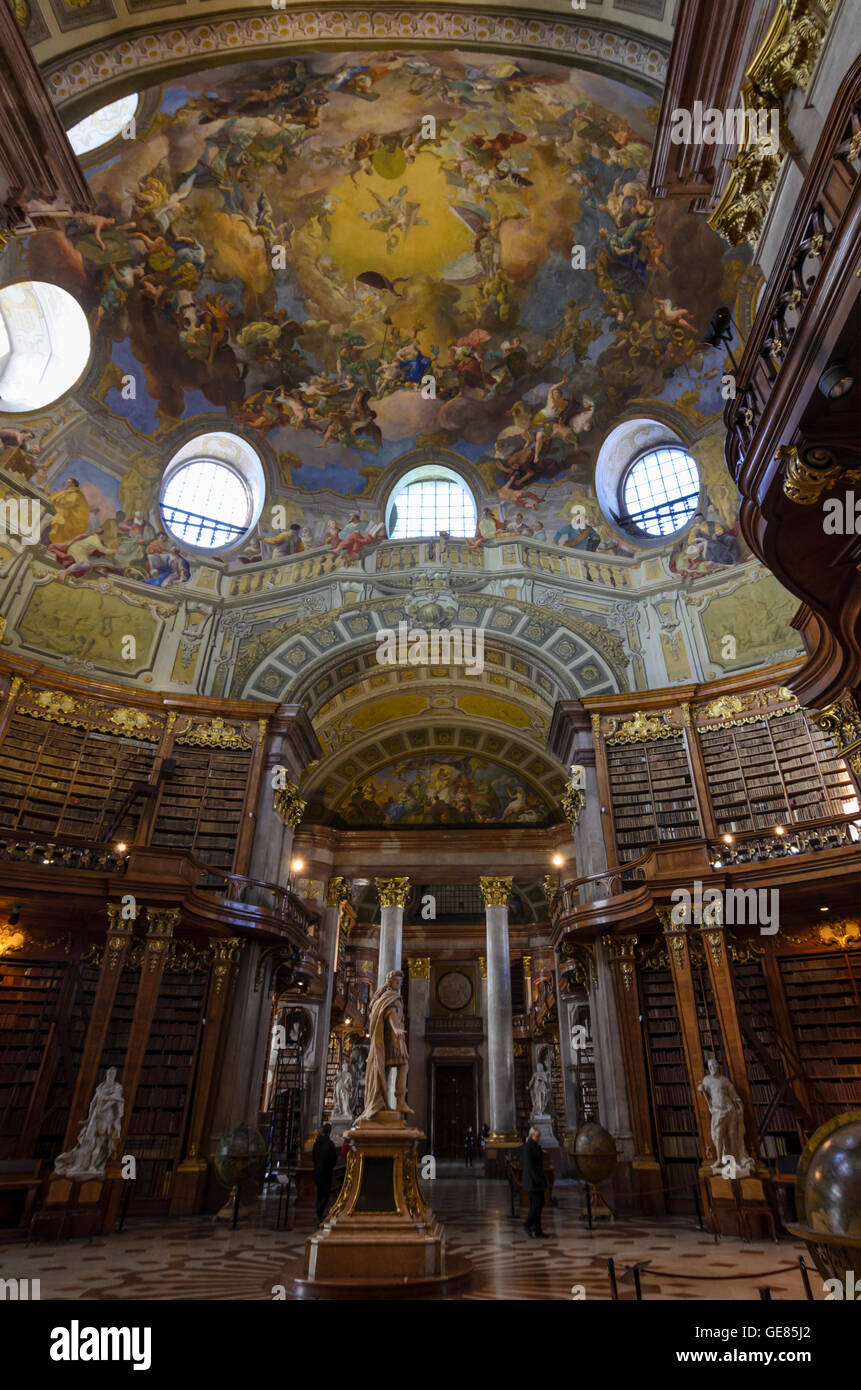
196	1258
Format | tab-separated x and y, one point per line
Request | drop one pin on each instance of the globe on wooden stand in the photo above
593	1158
240	1157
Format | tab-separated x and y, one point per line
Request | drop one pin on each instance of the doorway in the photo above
454	1107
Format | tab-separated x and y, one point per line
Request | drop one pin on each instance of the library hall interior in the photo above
430	652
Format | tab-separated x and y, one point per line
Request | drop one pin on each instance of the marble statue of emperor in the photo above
387	1047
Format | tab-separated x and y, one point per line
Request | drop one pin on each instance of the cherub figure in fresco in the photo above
394	217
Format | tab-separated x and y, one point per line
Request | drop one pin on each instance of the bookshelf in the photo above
201	808
652	793
58	780
672	1106
28	997
165	1089
769	772
757	1021
822	993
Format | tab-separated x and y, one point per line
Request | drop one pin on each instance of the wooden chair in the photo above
722	1197
753	1201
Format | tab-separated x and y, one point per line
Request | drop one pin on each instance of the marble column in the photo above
393	894
338	891
417	1090
500	1037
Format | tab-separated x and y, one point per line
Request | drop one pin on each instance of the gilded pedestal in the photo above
380	1227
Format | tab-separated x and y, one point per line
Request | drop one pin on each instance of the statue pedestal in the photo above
340	1124
380	1231
544	1125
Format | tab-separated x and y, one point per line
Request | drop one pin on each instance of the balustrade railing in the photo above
60	853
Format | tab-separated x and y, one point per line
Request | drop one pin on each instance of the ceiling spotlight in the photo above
836	381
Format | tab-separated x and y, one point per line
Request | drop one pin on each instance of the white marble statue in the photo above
539	1090
343	1092
727	1124
97	1136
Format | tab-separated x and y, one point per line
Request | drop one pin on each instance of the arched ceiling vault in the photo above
564	655
95	51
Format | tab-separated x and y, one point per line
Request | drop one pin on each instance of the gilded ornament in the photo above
551	887
133	723
806	478
337	891
419	967
288	804
527	967
714	939
496	891
392	892
482	967
54	705
842	934
723	706
620	947
841	718
642	728
216	734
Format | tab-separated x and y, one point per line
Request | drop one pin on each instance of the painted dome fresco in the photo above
316	273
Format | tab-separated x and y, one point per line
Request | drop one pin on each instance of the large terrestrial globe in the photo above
240	1156
828	1195
593	1152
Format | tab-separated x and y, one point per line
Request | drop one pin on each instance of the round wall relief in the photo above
454	990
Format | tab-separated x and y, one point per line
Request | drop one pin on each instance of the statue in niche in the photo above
727	1124
539	1089
98	1135
387	1048
343	1092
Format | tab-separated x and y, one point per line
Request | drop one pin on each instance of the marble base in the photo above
544	1125
340	1124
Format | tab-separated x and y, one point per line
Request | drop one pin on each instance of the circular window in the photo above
661	491
212	492
103	125
44	344
429	500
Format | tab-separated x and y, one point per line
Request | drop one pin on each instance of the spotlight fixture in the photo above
822	909
728	839
836	381
297	865
558	861
122	847
779	830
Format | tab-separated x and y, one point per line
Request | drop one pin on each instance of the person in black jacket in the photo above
323	1156
533	1183
469	1146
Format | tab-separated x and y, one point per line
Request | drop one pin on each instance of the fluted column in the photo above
393	894
500	1038
338	892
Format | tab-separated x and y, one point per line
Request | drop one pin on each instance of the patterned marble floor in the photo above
193	1258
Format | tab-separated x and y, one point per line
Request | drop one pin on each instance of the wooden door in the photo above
454	1108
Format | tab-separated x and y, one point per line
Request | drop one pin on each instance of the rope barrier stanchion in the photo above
765	1294
699	1206
588	1206
802	1269
611	1271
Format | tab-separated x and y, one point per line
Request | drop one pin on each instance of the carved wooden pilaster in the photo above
679	956
119	939
719	968
191	1172
621	953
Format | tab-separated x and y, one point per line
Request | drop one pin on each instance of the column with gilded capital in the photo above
500	1038
338	912
393	894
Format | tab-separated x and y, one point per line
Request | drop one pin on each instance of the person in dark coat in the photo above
469	1146
533	1183
324	1156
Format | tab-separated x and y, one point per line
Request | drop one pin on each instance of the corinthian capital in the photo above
496	891
393	892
